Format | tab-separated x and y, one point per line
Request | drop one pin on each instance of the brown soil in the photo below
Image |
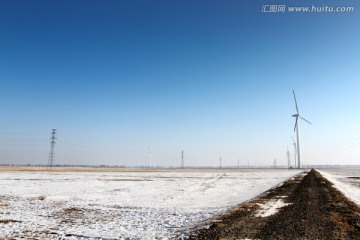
5	221
316	210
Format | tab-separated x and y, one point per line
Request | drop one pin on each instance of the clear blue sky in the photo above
212	78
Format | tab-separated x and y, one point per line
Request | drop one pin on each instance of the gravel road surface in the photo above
304	207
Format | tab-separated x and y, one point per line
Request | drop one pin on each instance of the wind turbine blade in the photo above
305	119
296	122
297	110
293	139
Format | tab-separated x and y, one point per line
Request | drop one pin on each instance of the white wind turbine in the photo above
151	163
294	143
296	128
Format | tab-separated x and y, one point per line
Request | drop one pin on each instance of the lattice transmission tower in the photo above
52	149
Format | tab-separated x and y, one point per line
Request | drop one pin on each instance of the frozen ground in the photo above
123	205
346	180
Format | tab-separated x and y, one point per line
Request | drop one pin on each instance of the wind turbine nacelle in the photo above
295	115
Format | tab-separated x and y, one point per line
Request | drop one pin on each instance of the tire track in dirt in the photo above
309	208
200	187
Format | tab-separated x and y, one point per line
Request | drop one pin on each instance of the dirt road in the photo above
305	207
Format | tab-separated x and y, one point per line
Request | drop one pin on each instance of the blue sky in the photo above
212	78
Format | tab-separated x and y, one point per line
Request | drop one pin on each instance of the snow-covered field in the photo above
347	180
131	204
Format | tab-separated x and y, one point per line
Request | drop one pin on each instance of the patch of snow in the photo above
271	207
343	181
123	205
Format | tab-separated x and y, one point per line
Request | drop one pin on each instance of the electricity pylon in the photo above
52	149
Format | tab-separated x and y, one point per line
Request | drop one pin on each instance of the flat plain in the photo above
124	203
137	203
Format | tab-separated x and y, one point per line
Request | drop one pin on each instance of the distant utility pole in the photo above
220	162
274	163
182	159
238	164
52	149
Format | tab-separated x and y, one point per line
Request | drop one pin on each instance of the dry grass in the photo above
41	198
85	169
129	180
72	210
5	221
95	169
342	223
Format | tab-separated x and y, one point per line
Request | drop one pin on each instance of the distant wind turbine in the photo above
150	158
296	128
294	143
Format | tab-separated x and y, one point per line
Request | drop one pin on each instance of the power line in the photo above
20	145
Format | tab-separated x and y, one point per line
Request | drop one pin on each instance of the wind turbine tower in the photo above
150	158
52	149
296	128
288	158
294	143
182	159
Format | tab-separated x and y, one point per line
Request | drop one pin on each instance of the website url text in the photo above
307	9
